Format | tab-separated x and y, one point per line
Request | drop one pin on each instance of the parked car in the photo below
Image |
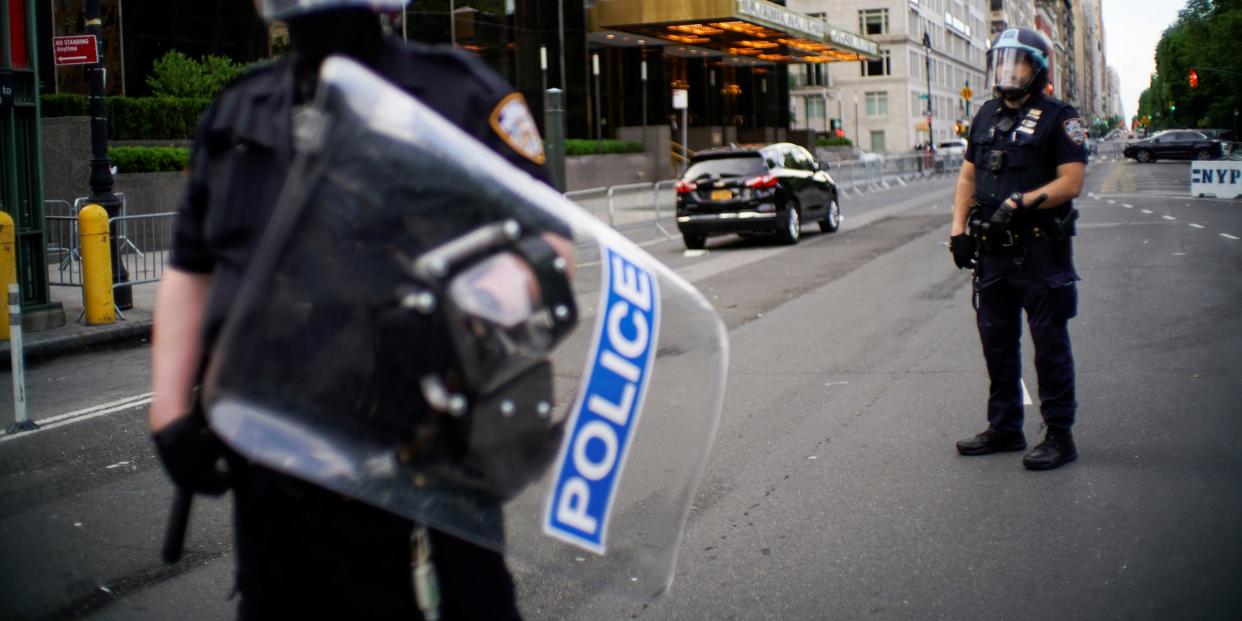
770	189
957	146
1223	135
1175	144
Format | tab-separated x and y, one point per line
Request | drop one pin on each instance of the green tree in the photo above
178	75
1203	38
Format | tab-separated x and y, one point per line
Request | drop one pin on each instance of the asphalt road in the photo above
832	490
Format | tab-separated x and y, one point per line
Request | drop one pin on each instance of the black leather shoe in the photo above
1055	451
992	441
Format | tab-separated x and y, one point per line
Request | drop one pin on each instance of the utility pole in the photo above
101	180
931	114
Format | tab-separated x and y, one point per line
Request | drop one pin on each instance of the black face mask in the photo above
350	32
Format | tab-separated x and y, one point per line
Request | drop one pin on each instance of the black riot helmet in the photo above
1018	63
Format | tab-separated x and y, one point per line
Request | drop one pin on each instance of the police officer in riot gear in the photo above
1013	223
304	552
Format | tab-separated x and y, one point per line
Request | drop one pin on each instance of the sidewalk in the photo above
75	335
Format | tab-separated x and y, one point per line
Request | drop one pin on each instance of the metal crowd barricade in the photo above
144	247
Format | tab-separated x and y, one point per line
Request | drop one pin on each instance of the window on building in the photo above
883	66
814	108
873	21
877	141
877	103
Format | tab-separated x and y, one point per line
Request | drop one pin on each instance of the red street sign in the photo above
75	50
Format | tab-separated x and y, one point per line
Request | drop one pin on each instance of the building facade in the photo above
136	33
882	105
1012	14
617	62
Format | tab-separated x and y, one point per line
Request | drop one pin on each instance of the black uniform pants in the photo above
306	553
999	317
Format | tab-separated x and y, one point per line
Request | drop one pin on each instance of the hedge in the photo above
149	159
136	118
579	146
833	141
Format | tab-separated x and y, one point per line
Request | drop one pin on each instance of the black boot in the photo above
992	441
1055	451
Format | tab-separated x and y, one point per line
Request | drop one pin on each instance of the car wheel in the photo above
1144	156
791	230
1203	154
694	242
831	221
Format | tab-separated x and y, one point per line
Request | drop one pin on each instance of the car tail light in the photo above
685	187
766	181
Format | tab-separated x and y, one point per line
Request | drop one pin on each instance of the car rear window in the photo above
739	166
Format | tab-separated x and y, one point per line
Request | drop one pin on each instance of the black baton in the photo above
178	521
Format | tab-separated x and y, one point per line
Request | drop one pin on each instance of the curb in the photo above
57	346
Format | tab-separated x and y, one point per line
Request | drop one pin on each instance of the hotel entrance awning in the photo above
744	28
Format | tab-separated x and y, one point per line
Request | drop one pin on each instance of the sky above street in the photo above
1132	28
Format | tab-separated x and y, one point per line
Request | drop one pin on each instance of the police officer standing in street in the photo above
1013	220
303	552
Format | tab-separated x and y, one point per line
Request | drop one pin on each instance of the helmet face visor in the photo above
286	9
1011	70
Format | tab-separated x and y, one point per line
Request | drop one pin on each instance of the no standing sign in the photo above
75	50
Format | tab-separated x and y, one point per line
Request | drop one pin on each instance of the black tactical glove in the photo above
1004	215
963	249
190	452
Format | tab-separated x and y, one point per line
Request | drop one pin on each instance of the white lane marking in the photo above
1112	202
1228	236
1197	226
691	254
1179	254
1147	211
1026	396
1127	205
64	419
1169	218
95	408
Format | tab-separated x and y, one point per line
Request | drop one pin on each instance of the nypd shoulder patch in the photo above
1075	130
512	121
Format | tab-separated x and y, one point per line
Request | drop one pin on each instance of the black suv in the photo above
754	189
1176	144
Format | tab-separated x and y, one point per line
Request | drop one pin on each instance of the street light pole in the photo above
599	128
101	180
931	113
644	100
560	22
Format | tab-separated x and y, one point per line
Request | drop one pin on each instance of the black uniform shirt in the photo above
1066	141
1037	142
243	151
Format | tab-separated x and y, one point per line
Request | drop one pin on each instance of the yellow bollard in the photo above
96	265
8	263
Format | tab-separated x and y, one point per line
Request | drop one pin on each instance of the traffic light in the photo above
1172	107
1194	78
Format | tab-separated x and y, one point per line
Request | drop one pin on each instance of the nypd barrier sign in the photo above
605	415
1222	179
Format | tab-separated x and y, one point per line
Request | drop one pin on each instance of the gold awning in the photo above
744	28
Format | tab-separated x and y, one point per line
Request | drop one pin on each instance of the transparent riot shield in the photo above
428	329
